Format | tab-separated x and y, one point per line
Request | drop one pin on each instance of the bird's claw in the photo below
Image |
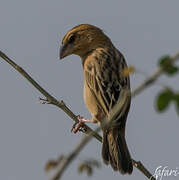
78	126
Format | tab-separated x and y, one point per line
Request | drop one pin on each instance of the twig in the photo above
51	100
141	167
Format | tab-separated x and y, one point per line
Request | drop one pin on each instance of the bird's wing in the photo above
103	76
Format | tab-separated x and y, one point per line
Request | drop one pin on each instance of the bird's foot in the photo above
78	126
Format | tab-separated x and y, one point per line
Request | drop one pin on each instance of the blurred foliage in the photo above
52	164
164	98
176	100
128	70
167	95
88	166
165	62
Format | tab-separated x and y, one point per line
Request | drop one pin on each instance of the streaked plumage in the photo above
104	84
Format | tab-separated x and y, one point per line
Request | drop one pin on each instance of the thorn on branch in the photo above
61	103
141	167
44	101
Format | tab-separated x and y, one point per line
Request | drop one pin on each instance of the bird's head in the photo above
81	40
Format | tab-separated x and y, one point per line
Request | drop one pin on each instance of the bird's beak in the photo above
66	50
62	53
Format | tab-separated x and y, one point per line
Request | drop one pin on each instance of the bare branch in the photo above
142	169
50	98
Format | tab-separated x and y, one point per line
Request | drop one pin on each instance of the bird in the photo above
107	93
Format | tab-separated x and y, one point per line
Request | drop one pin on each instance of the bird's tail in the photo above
115	151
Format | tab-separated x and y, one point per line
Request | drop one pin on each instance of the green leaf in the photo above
163	60
176	99
163	99
170	69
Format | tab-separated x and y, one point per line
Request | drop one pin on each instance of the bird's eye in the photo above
71	38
